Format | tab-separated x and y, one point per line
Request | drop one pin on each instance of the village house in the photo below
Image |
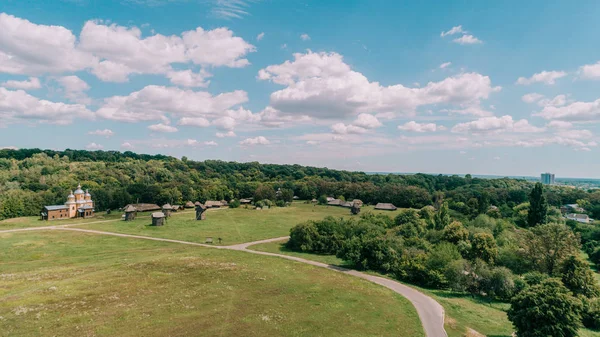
583	218
79	205
385	207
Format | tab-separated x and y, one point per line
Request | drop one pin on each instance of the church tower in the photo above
72	205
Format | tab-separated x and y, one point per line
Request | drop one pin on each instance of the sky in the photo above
480	87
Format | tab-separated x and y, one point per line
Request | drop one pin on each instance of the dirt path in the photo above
430	312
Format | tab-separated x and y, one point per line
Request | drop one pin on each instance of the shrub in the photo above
590	315
280	203
303	237
234	204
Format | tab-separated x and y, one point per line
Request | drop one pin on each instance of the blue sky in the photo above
501	88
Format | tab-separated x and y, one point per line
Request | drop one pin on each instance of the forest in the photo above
32	178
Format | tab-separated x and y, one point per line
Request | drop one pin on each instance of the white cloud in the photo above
31	83
230	9
8	148
226	134
532	97
496	125
413	126
545	77
194	121
94	146
304	37
162	128
496	158
224	123
30	49
559	125
127	145
260	140
576	111
155	102
445	65
342	129
367	121
321	85
74	88
210	143
105	133
559	100
260	36
18	106
590	71
454	30
187	78
467	39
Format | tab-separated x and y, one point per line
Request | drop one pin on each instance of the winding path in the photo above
430	312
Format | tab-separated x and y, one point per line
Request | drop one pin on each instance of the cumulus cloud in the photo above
105	133
558	100
19	106
94	146
31	83
224	123
321	85
260	36
30	49
467	39
74	89
156	102
590	71
576	111
532	97
445	65
304	37
187	78
496	125
545	77
413	126
225	134
210	143
342	129
194	121
162	128
127	146
560	125
260	140
454	30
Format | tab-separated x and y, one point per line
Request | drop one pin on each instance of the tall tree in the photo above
538	207
547	246
442	217
546	309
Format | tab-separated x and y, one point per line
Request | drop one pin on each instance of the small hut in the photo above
355	209
176	208
224	203
314	201
200	209
189	204
166	209
245	201
385	207
158	219
130	213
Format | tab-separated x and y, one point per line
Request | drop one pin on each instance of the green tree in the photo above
578	277
323	200
483	246
287	195
546	309
442	217
264	192
455	232
546	246
538	207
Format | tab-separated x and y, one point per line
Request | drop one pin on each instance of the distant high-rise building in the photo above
547	178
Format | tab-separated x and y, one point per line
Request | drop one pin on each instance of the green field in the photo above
60	283
465	315
232	225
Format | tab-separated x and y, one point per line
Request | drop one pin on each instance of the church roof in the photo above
87	193
55	207
70	195
79	190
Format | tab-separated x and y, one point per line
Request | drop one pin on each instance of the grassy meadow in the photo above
30	221
232	225
465	315
61	283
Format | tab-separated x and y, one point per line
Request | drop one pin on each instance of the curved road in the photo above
430	312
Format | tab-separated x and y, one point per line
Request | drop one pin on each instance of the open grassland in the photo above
58	283
232	225
465	315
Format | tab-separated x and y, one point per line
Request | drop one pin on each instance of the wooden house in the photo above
166	209
158	218
130	213
385	207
